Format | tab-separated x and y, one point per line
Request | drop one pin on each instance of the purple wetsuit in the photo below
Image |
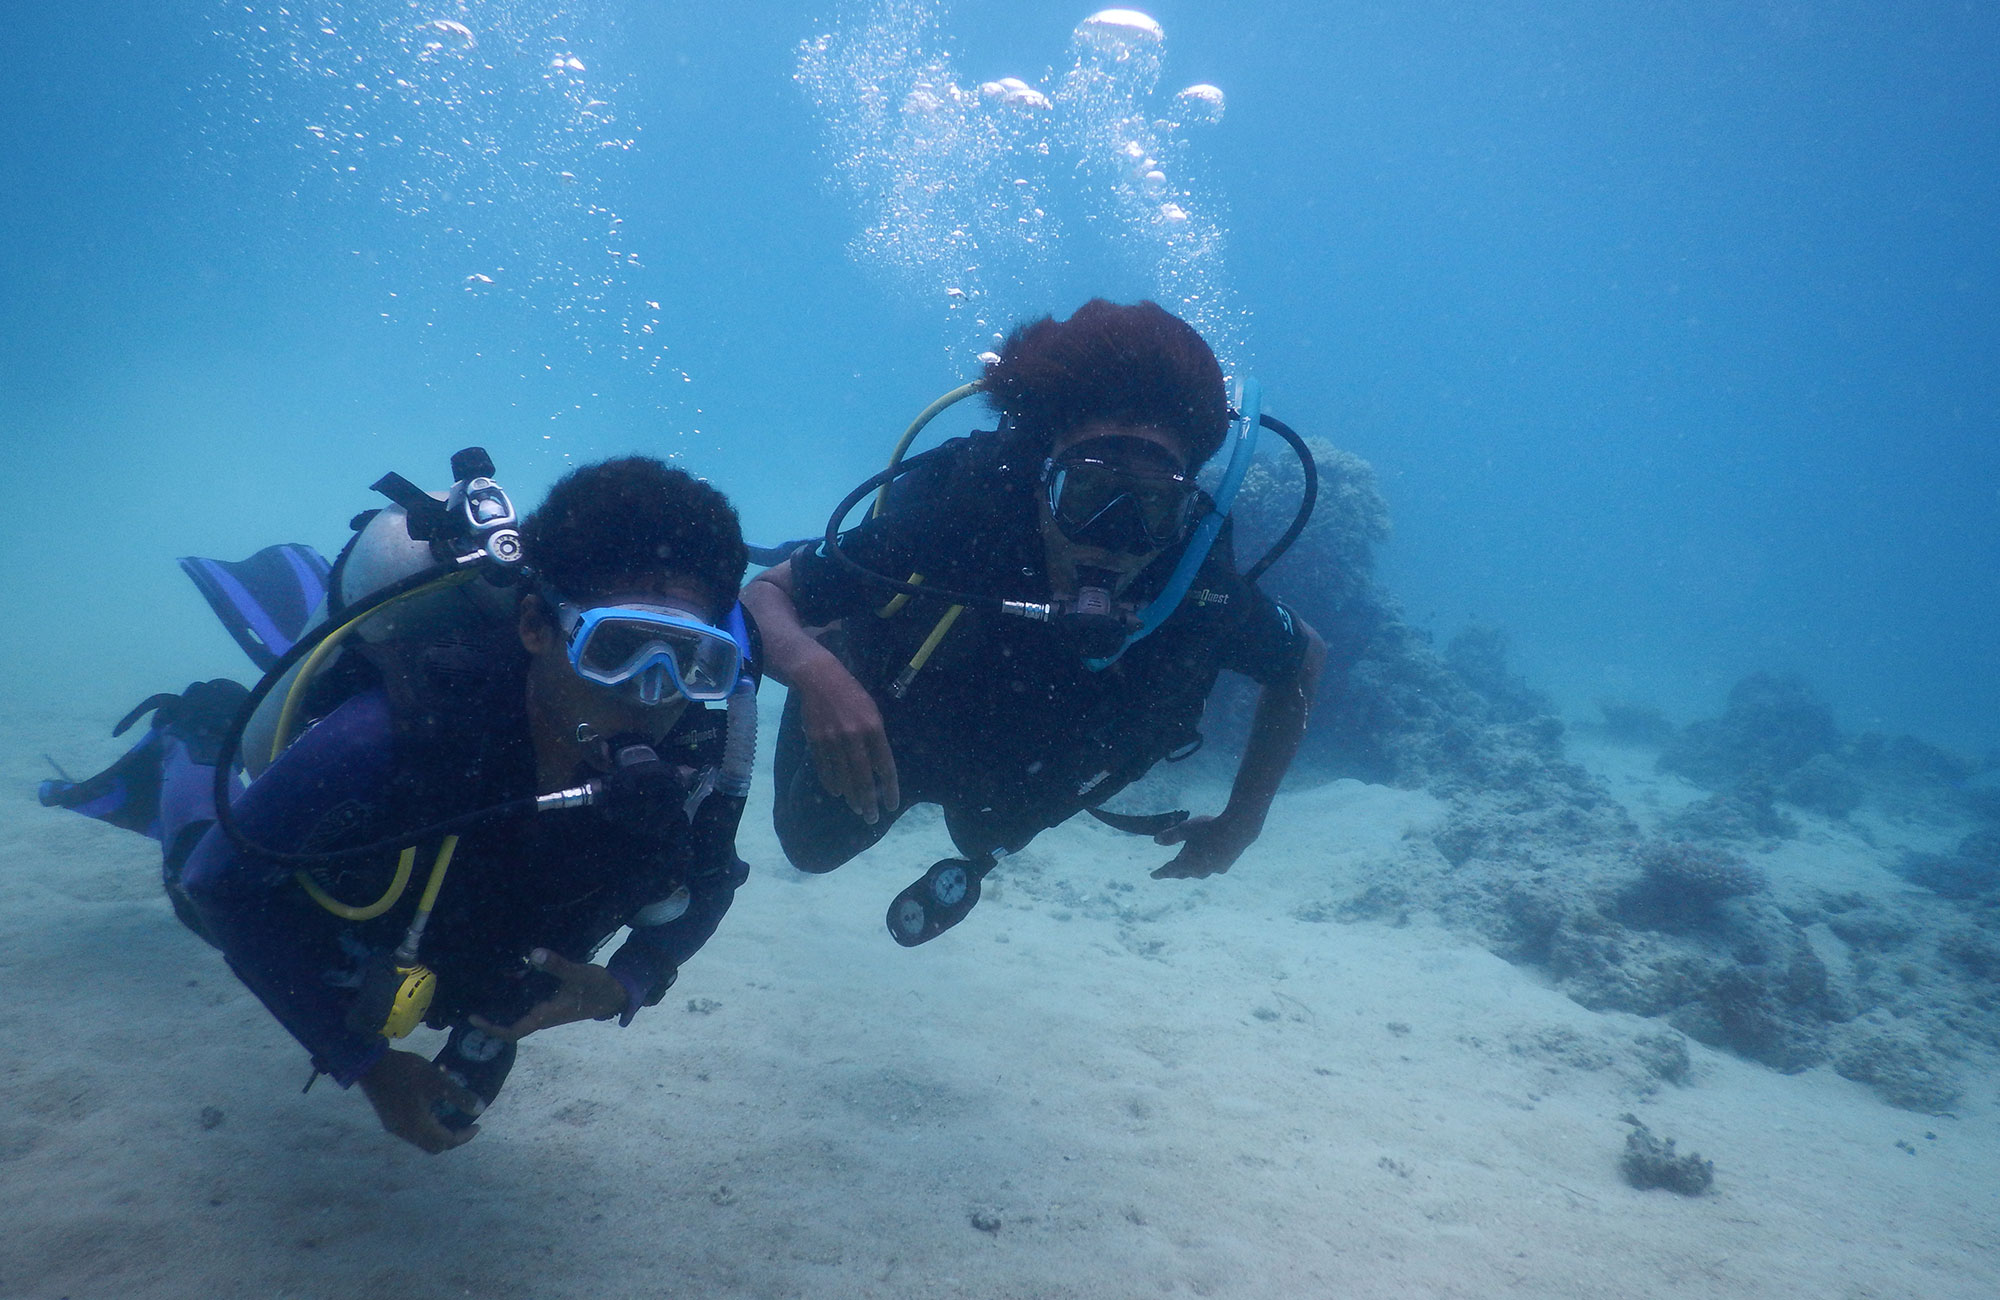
565	881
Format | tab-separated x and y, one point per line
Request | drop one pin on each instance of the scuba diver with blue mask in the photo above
1070	599
479	750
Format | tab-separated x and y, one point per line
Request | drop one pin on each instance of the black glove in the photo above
200	716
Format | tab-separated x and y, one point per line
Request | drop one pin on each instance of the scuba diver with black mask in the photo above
1070	599
557	720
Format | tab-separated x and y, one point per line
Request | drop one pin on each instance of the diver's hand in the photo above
406	1091
1209	846
850	748
586	992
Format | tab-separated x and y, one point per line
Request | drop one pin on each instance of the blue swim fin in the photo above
266	600
187	731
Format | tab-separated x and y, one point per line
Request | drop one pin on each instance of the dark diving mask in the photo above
651	652
1121	509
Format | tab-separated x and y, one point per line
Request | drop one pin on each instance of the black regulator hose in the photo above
1306	501
831	542
232	746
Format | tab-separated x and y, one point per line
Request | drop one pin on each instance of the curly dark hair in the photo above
619	522
1136	364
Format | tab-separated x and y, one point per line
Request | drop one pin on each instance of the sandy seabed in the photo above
1098	1085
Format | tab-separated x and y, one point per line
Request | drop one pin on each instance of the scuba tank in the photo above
431	648
423	590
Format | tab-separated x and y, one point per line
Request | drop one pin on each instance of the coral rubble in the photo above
1649	1162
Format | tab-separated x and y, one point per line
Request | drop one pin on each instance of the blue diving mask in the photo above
651	652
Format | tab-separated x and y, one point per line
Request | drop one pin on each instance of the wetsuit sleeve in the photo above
1264	641
279	943
649	960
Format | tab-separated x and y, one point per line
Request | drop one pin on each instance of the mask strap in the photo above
739	630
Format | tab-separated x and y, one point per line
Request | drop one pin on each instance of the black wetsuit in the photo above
1006	726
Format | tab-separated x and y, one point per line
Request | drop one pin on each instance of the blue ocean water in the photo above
1670	328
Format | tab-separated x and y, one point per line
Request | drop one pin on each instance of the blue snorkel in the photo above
1242	446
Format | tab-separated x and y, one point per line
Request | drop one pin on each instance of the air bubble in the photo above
1014	93
458	31
960	193
1201	103
497	160
1121	29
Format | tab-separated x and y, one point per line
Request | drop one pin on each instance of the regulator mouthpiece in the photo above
1093	618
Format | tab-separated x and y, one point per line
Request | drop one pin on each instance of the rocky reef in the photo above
1776	743
1772	726
1896	985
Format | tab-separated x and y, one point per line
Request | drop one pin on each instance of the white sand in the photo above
1139	1087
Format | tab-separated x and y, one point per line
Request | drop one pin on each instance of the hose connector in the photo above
580	796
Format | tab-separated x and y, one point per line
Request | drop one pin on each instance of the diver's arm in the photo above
791	654
1210	845
638	975
649	961
850	747
646	965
